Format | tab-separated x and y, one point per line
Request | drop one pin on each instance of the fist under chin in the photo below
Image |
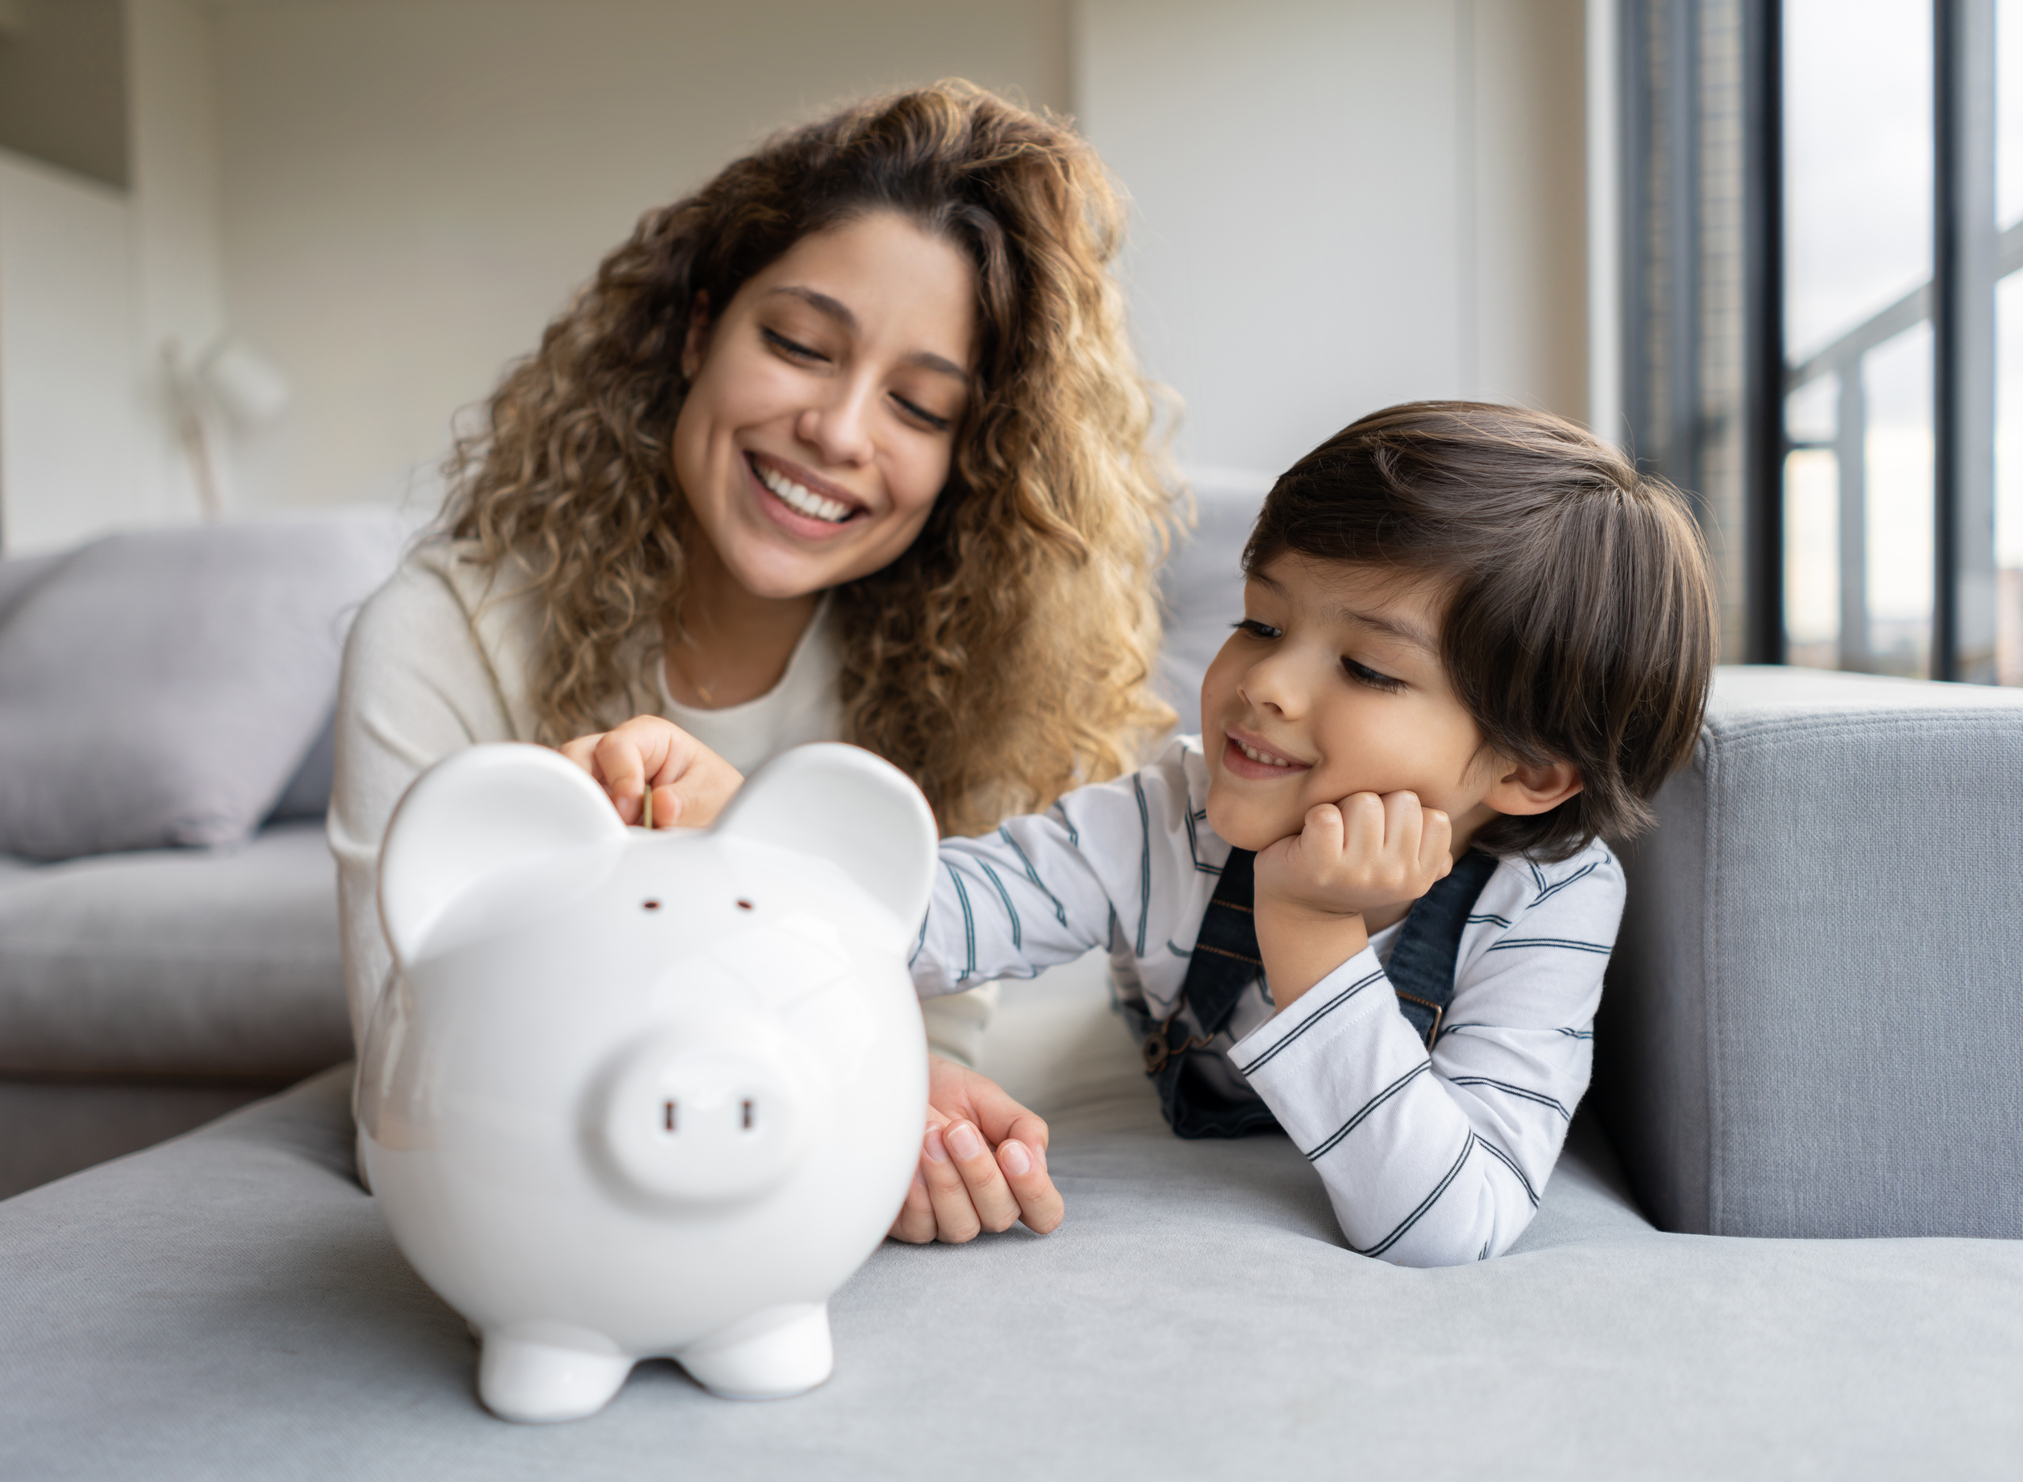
1253	825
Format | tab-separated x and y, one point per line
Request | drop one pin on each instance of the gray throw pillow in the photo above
162	687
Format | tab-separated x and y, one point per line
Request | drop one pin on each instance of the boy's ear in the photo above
847	806
1524	790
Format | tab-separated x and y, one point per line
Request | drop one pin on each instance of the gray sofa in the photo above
1811	1031
168	932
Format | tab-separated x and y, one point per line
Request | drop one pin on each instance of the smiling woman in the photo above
847	445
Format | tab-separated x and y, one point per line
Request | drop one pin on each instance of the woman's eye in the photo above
922	415
790	348
1364	674
1257	629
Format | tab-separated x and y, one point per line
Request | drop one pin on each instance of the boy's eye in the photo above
1364	674
1257	629
790	348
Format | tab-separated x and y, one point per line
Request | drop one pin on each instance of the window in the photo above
1820	323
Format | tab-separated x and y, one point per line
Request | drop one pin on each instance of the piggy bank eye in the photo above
649	905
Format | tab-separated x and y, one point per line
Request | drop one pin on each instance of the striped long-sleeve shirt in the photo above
1429	1159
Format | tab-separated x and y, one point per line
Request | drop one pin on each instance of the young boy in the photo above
1372	903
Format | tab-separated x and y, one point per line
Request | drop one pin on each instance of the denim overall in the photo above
1204	1099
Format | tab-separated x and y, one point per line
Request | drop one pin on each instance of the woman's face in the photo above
823	402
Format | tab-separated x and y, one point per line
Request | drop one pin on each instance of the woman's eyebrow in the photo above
839	311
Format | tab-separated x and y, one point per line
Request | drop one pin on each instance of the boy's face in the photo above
1333	685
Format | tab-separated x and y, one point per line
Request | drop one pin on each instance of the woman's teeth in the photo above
1260	756
807	501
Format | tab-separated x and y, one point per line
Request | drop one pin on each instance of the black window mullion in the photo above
1763	328
1963	340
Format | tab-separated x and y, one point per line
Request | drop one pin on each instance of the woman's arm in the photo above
415	687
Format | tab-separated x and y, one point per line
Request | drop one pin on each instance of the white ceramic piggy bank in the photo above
634	1094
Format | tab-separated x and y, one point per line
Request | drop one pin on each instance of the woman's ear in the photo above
696	344
1522	789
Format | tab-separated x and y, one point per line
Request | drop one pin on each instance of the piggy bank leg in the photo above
529	1380
774	1353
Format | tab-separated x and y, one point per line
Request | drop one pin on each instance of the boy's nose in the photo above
1265	688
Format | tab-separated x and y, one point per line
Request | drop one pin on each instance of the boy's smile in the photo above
1333	685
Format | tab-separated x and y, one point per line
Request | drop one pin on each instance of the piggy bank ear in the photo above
472	813
845	805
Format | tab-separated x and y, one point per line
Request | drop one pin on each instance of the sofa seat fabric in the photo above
179	962
230	1304
1812	1025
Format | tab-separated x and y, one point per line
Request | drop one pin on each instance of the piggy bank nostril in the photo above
744	905
668	1121
748	1116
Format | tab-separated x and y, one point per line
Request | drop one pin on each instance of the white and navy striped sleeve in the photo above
1435	1160
1116	864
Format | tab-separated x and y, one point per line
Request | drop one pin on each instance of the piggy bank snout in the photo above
707	1116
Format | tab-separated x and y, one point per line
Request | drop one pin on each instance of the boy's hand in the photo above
691	784
1313	888
961	1187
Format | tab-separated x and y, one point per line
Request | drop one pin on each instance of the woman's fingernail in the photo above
935	1149
1013	1156
963	1141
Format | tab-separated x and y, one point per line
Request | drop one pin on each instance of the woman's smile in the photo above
801	503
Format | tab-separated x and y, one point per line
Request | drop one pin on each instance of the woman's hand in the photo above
961	1186
690	783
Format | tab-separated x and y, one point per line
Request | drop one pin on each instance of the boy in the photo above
1372	904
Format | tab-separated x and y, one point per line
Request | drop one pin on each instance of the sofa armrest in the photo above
1813	1021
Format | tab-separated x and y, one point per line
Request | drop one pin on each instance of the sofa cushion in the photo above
175	962
1812	1025
230	1305
163	686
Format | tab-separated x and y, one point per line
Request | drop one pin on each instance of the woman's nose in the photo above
839	428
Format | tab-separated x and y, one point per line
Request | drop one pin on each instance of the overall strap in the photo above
1201	1096
1201	1099
1421	968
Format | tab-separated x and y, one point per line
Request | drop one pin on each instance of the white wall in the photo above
94	281
1344	203
1338	203
414	187
176	197
72	401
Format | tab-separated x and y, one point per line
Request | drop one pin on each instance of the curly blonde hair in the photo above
1006	655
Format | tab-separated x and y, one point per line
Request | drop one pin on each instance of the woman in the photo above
847	445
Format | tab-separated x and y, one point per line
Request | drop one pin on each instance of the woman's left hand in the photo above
983	1163
690	783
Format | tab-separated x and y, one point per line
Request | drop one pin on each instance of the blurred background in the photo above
255	255
379	203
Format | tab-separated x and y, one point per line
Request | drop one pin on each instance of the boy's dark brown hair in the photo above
1580	615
